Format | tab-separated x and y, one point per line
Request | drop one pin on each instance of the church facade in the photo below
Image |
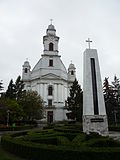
50	78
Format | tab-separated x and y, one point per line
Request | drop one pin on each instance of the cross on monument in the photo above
89	41
51	20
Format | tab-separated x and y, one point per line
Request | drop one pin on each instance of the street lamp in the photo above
8	117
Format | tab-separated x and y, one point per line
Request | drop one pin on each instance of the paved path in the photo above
114	135
2	133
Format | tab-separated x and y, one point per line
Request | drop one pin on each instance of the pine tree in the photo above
19	86
116	87
1	87
110	101
15	90
75	102
11	93
116	92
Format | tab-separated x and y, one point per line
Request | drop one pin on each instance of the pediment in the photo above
50	76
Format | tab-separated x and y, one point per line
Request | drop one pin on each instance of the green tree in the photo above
116	87
3	111
11	93
116	92
19	86
15	91
15	110
75	102
110	101
32	105
1	85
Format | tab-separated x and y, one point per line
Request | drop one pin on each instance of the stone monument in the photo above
94	113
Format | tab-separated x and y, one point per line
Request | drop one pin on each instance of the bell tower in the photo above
26	71
50	41
71	72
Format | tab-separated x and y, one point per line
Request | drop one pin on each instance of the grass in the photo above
4	155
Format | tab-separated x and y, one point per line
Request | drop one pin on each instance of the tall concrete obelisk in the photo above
94	113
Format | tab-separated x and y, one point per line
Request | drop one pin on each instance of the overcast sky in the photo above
23	24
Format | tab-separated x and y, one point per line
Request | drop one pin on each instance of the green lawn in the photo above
7	156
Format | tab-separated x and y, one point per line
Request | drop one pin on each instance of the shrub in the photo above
64	149
61	140
66	130
17	128
114	128
92	135
79	139
103	143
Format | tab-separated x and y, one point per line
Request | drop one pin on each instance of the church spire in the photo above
50	41
51	30
51	20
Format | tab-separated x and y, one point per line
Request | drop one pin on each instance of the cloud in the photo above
23	24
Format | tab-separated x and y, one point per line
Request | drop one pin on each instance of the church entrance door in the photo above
50	117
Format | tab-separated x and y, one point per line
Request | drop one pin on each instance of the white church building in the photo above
50	78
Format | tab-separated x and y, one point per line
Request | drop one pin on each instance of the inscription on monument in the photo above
97	120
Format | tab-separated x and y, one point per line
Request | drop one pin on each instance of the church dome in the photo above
51	30
26	63
71	66
51	27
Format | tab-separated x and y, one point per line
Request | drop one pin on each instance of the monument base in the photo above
95	123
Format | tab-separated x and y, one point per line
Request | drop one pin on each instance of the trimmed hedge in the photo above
65	149
17	128
103	143
114	128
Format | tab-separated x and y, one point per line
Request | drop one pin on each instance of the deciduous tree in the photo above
32	105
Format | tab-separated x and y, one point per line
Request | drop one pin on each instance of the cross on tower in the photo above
89	41
51	20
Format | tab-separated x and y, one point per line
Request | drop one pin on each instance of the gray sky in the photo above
23	24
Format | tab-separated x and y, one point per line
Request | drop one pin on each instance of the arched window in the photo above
50	46
26	70
50	91
72	73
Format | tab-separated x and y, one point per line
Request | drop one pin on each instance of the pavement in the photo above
3	133
115	135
